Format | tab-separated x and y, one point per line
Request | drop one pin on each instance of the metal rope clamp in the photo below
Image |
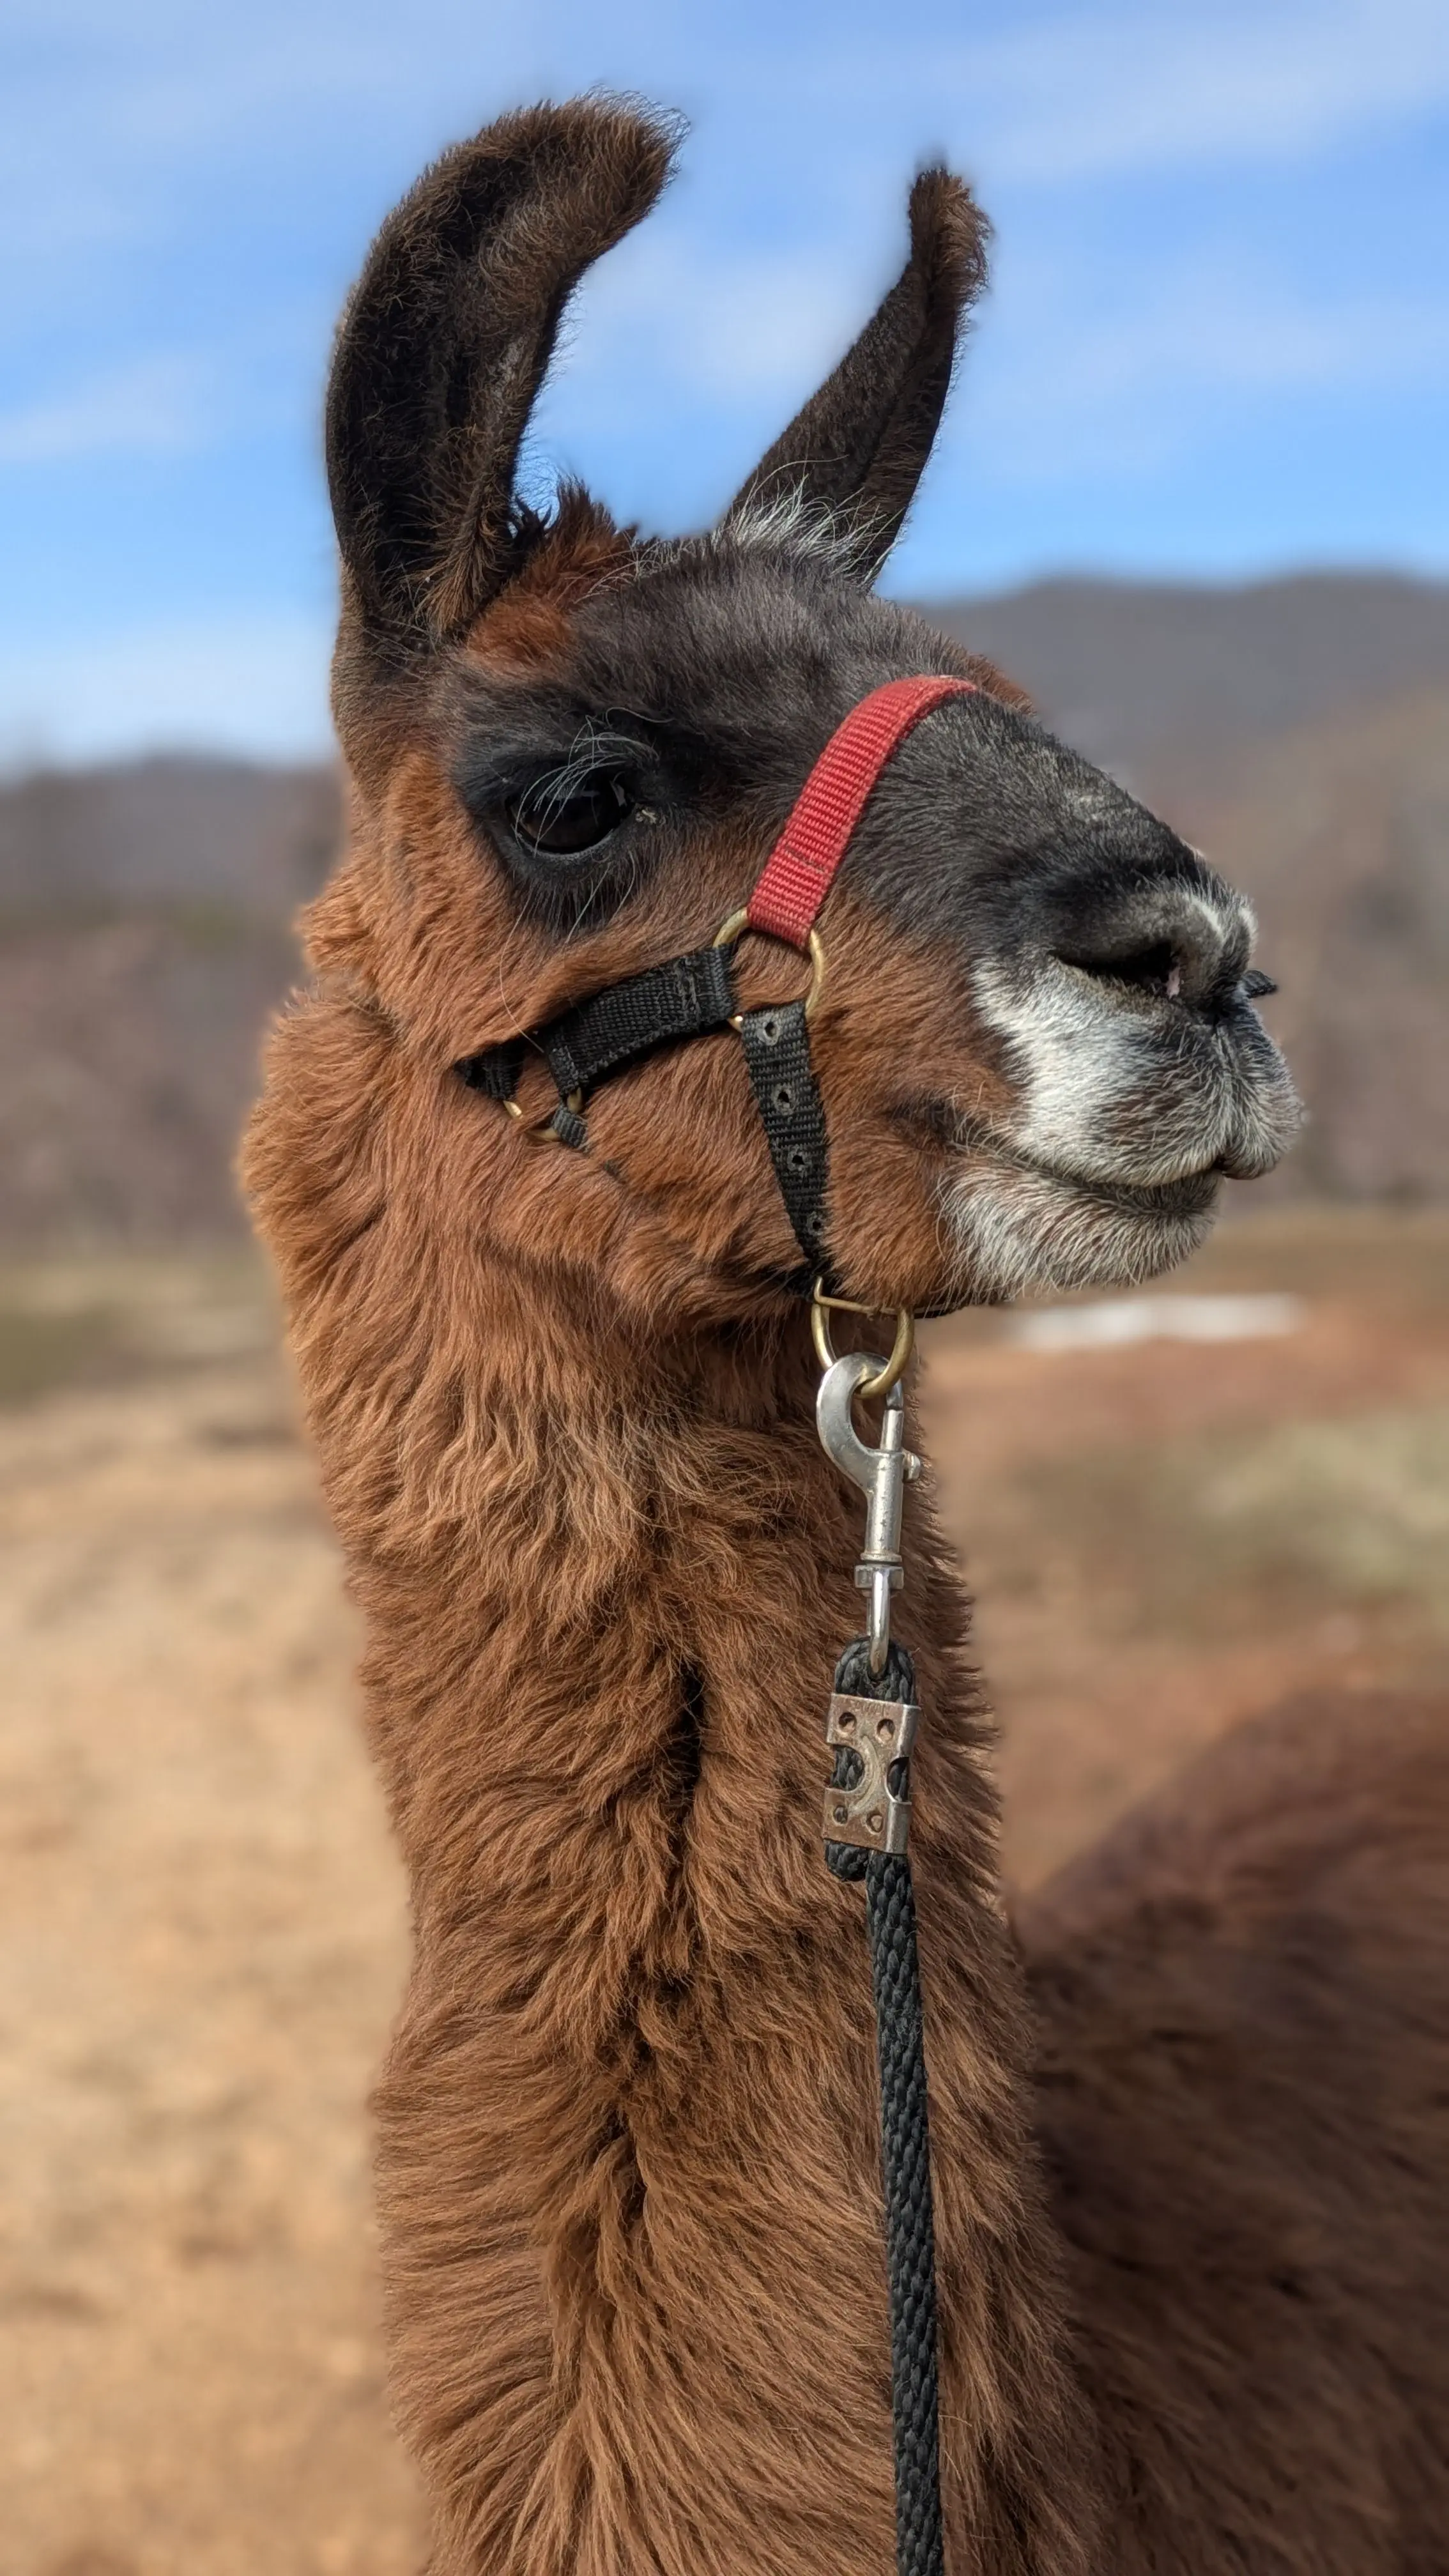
869	1801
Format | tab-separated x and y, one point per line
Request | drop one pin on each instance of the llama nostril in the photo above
1154	970
1184	952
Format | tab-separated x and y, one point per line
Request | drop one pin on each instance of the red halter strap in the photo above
799	872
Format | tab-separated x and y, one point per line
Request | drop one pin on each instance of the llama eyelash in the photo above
594	747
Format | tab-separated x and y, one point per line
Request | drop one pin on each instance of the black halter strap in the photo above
688	997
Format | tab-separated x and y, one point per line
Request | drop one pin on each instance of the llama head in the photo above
572	748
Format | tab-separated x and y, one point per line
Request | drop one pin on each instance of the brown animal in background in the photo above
1191	2123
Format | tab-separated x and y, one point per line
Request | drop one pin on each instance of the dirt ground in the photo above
204	1923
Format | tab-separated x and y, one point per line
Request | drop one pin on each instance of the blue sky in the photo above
1217	342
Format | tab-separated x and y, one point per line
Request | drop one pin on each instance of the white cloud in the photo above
730	326
1090	87
255	684
157	407
1073	385
1104	92
169	174
1095	89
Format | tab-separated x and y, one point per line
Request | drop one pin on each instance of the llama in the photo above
1190	2113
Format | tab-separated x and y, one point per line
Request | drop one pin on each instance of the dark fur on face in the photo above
1191	2245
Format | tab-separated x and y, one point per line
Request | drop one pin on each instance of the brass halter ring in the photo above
735	922
890	1371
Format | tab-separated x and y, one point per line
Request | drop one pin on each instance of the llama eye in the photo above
561	816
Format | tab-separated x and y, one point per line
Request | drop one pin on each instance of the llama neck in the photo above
606	1590
648	1561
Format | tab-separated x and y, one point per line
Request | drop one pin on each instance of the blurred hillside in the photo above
1166	681
145	937
1298	731
1340	833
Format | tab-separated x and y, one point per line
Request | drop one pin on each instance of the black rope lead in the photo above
890	1913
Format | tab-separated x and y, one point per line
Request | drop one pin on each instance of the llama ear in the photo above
443	347
857	450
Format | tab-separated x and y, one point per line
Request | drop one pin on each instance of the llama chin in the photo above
1016	1227
1126	1122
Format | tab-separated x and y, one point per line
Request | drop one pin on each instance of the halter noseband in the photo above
693	995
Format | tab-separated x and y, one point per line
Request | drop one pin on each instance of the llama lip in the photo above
1191	1194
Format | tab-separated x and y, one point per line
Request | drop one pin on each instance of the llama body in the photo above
1191	2262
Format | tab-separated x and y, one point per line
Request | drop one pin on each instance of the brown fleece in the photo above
1190	2190
628	2162
628	2159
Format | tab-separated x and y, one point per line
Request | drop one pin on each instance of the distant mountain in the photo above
1339	832
1297	730
145	937
255	840
128	1054
1159	681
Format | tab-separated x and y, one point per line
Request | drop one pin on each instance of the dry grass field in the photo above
203	1920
